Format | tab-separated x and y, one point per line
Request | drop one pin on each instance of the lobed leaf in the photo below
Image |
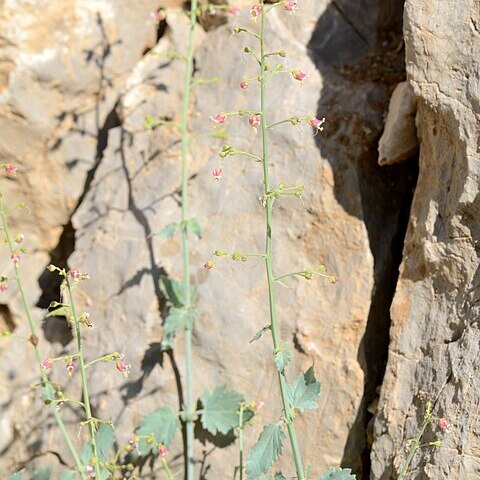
282	358
338	474
178	319
266	451
162	424
303	393
194	227
17	475
105	438
168	231
42	474
174	291
68	475
220	410
48	394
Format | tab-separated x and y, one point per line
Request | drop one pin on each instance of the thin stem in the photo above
268	251
415	446
240	440
257	158
83	372
33	341
167	469
185	245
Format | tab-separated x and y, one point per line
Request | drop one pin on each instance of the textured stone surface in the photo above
399	138
81	98
435	337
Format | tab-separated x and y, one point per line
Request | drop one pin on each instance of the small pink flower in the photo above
74	273
159	16
244	84
443	424
90	471
15	258
233	10
258	406
333	279
134	443
162	450
290	6
208	265
254	121
317	123
256	11
11	168
70	368
46	364
217	173
3	287
299	75
218	119
124	368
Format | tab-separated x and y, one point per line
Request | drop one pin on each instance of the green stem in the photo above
167	469
415	446
83	372
189	404
268	253
240	440
38	358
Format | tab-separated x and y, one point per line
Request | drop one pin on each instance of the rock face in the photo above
75	87
435	334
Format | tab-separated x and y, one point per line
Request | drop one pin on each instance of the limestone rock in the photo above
399	139
435	334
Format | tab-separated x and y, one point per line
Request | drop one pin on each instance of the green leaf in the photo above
174	291
259	334
178	319
105	438
338	474
68	475
86	453
282	358
162	424
303	393
194	227
17	475
220	410
42	474
168	231
266	451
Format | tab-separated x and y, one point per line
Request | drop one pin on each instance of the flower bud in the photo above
217	173
19	238
299	75
244	84
70	368
46	364
443	424
208	265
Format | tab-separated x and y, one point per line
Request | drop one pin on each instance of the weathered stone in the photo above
399	139
435	335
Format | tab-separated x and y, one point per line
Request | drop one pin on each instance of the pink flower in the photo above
11	168
15	258
290	6
3	287
244	84
46	364
233	10
208	265
74	273
256	11
254	121
333	279
443	424
162	450
258	406
218	119
299	75
70	368
217	173
316	123
124	368
90	471
159	16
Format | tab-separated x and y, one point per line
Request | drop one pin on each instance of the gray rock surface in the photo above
434	348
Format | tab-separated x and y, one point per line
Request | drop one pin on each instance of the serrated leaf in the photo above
248	414
168	231
266	451
220	410
68	475
105	438
303	393
174	291
42	474
178	319
194	227
259	334
17	475
338	474
162	424
282	358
